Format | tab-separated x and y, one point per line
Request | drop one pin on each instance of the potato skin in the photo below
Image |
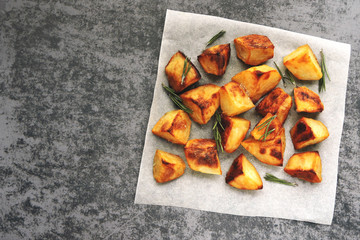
257	81
303	64
307	100
306	166
173	126
243	175
174	71
214	60
278	103
167	166
235	129
201	155
254	49
203	101
307	131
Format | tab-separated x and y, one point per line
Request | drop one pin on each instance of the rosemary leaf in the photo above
186	69
281	74
324	71
271	178
216	131
266	124
176	99
214	38
288	76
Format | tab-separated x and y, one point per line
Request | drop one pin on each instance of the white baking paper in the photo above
312	202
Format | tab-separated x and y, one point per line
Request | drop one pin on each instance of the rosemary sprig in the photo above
271	178
288	76
324	71
267	125
186	69
214	38
176	99
216	132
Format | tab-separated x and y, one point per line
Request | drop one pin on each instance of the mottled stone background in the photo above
76	85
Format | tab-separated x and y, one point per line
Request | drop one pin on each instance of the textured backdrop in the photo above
76	85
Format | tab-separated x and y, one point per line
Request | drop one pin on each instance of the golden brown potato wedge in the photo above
260	128
307	100
306	166
235	129
243	175
270	152
167	166
308	131
278	103
254	49
174	71
201	155
214	60
174	126
203	101
257	81
234	100
302	63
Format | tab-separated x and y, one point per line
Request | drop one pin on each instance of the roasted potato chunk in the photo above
174	71
202	156
278	103
269	152
167	166
234	132
307	131
260	128
254	49
257	81
203	101
302	63
306	166
234	100
214	60
174	126
243	175
307	100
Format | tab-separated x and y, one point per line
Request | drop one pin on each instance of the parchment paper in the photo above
306	202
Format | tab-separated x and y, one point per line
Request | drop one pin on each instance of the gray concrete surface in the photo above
76	85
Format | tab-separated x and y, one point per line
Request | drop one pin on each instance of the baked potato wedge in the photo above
278	103
308	131
234	100
202	156
306	166
260	128
269	152
214	60
257	81
203	101
243	175
303	64
307	100
235	129
254	49
167	166
174	126
174	71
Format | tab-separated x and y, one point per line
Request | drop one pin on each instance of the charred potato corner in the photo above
258	84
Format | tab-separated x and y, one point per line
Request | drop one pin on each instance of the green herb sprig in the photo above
186	69
324	71
267	125
288	76
271	178
216	131
214	38
176	99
